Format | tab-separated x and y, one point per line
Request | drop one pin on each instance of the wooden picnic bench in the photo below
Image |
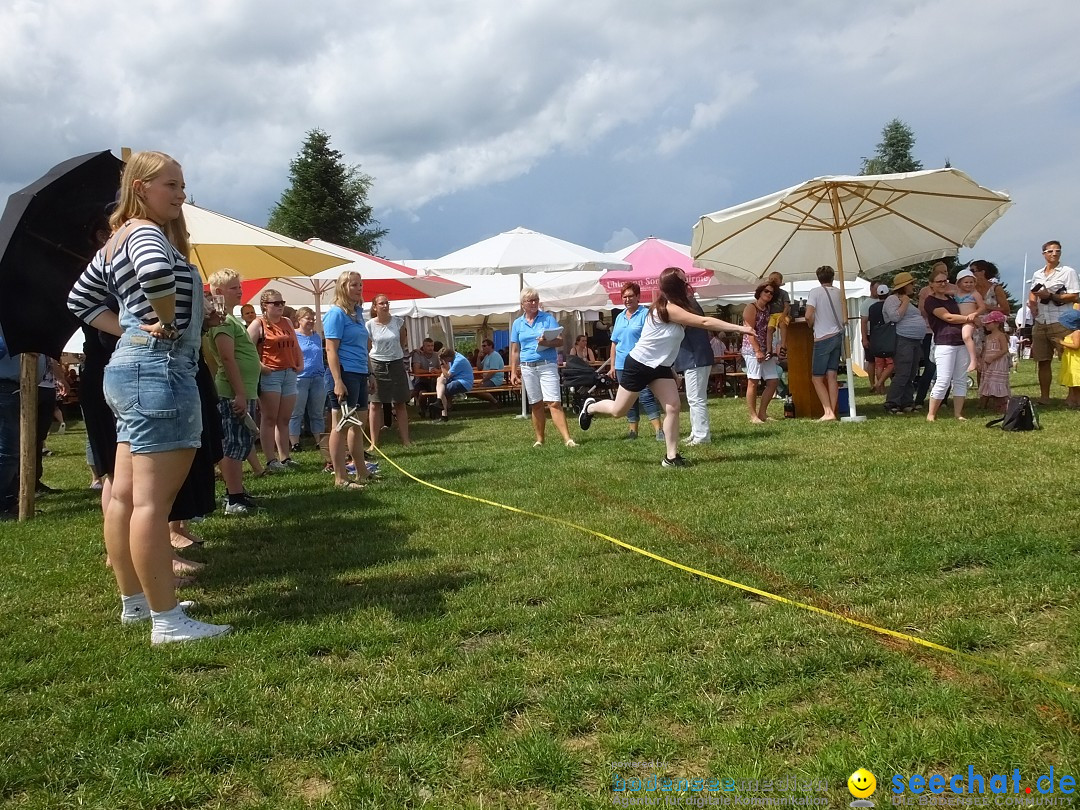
511	391
727	373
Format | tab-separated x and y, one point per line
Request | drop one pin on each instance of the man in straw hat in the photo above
900	309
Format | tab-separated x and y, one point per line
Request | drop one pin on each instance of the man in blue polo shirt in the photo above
490	365
456	378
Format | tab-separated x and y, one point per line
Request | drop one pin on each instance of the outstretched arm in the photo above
685	318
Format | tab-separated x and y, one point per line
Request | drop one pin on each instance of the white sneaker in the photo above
186	628
141	613
240	508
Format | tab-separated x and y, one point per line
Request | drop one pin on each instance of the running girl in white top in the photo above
649	363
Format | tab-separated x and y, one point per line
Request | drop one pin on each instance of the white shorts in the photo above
765	370
541	383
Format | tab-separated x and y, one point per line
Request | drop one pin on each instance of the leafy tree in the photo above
326	199
894	152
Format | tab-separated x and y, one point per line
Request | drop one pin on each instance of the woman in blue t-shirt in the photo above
347	358
534	361
310	389
624	336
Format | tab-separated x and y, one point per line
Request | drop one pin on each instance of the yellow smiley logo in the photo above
862	783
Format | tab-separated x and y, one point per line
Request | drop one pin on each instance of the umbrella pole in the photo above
852	416
28	405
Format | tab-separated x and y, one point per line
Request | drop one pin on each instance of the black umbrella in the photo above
46	237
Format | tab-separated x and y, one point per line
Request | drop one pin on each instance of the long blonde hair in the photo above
145	166
341	294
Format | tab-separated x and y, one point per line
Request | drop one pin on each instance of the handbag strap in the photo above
842	324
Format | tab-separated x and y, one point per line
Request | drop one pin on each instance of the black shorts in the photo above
636	376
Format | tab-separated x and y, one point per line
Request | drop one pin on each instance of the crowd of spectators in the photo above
187	379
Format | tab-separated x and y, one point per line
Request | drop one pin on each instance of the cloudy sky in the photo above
596	121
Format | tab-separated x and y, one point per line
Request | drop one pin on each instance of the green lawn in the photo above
403	647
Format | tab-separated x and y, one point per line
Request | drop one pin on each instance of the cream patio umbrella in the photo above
867	225
219	241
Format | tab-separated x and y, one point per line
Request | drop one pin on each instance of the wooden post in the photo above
28	402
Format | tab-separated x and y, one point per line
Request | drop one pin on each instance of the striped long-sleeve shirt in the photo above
144	267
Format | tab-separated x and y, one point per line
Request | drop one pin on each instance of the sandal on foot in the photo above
351	485
180	542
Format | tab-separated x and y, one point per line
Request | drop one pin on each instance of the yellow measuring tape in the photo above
975	659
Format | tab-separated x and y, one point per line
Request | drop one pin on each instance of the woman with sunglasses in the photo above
757	355
950	355
281	360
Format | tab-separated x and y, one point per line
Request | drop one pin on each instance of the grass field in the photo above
404	647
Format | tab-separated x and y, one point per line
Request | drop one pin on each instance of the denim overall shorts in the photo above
150	382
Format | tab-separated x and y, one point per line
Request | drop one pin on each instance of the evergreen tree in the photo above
893	155
894	152
326	199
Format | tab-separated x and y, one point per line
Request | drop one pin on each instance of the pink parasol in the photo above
650	257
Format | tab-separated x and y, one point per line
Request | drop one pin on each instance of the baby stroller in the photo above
582	381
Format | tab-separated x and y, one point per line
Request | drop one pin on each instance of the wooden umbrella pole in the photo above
28	405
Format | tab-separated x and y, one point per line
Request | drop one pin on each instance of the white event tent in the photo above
494	300
497	268
572	291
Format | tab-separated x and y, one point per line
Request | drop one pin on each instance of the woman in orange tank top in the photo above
281	360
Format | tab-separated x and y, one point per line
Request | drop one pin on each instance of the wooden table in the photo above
800	343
